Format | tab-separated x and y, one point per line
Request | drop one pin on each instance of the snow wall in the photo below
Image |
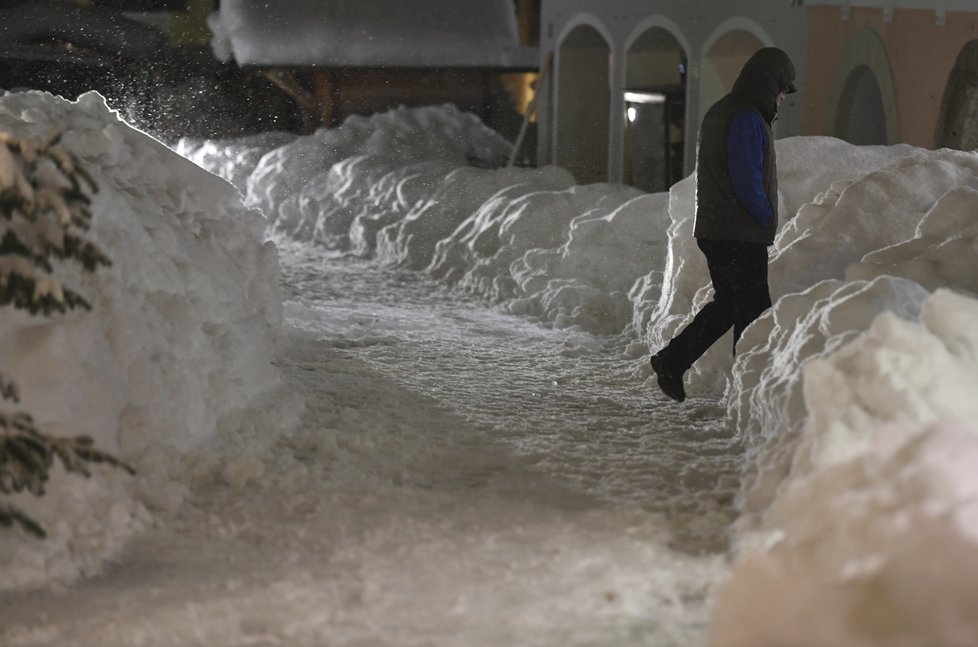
171	370
854	395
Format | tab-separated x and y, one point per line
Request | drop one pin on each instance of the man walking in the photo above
736	211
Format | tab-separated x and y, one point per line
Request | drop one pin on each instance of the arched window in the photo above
583	104
722	63
861	116
862	100
655	110
957	126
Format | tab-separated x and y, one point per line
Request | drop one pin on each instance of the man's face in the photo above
781	96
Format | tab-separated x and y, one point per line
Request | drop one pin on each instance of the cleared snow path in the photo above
460	477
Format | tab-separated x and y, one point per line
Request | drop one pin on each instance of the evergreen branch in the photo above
52	139
8	389
74	452
27	456
74	300
81	172
22	292
9	515
12	245
83	251
45	214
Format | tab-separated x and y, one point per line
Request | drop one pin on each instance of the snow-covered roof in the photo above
38	30
371	33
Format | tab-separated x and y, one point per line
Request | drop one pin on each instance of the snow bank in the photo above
872	211
304	186
809	170
176	350
879	254
880	511
232	159
855	399
521	250
398	186
942	252
853	395
878	234
401	187
765	399
600	257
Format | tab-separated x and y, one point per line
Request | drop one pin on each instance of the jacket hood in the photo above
766	73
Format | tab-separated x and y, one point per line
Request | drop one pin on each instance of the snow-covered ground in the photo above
424	415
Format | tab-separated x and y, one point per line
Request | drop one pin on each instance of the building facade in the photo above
631	79
891	71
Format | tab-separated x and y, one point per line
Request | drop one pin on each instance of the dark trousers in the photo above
739	274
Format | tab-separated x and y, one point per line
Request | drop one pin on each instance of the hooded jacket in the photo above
736	169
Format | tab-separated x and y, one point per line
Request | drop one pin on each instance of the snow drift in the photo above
856	403
879	510
853	395
173	359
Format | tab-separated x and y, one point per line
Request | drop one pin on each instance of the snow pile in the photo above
232	159
810	170
176	349
547	253
855	398
942	251
880	511
876	210
398	187
765	399
852	395
309	189
880	231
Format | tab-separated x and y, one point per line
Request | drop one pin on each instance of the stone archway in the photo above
861	116
583	104
655	107
957	126
863	72
722	63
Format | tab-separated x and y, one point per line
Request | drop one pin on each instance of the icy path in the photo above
460	477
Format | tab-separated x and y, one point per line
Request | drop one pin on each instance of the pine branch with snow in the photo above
44	217
27	457
8	389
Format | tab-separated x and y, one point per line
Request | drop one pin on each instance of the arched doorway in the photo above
655	111
722	63
583	104
861	115
862	106
957	126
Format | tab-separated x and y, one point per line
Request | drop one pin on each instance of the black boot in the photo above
670	382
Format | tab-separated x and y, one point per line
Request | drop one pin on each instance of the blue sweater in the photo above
746	141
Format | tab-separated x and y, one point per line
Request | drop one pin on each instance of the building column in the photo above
693	116
616	118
